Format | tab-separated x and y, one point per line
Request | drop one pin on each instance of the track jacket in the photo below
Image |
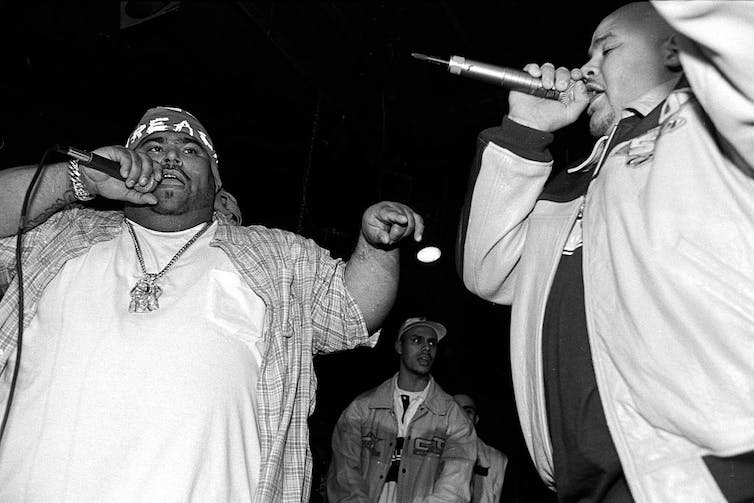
668	261
439	449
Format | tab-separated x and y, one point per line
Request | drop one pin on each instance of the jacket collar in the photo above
646	105
648	101
436	401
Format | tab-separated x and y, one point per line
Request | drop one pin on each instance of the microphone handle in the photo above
104	165
94	161
506	77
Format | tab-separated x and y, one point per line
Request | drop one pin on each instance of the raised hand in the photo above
386	223
141	174
545	114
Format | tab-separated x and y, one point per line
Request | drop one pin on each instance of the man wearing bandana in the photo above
167	351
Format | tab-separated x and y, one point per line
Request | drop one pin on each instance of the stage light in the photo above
428	254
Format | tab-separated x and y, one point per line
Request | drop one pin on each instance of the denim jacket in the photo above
438	455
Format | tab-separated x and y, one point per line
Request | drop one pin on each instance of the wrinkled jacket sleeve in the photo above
458	458
499	462
718	60
503	189
344	480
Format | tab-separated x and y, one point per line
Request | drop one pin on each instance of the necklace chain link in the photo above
145	293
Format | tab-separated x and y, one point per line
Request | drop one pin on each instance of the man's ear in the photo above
669	50
398	346
226	204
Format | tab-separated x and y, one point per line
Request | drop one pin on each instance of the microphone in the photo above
515	80
94	161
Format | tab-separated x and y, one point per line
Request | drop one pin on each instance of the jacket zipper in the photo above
543	417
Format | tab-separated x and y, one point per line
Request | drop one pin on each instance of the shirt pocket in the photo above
234	309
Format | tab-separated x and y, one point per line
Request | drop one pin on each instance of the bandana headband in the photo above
180	121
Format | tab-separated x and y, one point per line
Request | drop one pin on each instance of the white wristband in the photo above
79	189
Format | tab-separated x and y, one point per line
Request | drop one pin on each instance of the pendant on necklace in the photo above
144	295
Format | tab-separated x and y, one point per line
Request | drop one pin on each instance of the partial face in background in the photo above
468	406
417	349
631	53
187	183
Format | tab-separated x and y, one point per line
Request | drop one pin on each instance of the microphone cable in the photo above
19	275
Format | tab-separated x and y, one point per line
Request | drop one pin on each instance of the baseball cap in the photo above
422	321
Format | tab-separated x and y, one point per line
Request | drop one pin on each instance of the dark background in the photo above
317	110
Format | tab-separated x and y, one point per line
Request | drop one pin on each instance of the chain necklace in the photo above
145	293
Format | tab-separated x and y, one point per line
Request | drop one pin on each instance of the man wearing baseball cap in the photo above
167	349
406	439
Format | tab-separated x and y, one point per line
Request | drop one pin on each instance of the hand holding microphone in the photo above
564	92
118	173
546	115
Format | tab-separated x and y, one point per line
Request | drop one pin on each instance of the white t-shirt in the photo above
416	398
116	406
403	416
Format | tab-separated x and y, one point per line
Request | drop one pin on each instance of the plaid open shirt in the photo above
308	310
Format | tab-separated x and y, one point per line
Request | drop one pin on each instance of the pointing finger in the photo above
419	232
